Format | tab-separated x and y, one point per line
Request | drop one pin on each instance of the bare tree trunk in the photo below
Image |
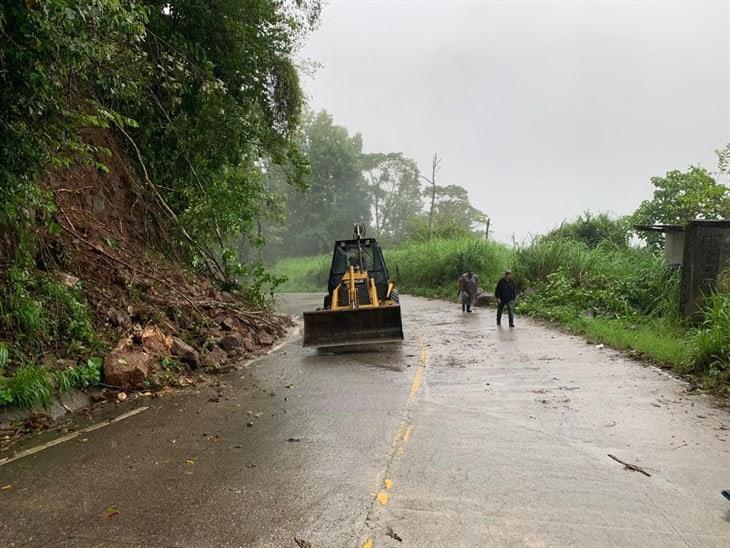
432	181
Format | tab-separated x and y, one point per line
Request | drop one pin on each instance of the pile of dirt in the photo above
158	318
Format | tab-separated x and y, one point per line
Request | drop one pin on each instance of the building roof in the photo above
716	223
659	228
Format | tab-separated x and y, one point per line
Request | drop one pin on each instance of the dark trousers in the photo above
510	310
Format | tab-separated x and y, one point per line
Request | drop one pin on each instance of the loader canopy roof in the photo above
347	253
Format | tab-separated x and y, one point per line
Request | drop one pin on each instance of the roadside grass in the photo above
657	340
27	385
431	268
303	274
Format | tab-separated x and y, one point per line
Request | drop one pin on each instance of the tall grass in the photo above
429	269
711	349
304	274
432	268
606	279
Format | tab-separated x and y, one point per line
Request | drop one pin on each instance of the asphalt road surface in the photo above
467	435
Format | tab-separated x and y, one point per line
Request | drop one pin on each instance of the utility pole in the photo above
435	166
486	232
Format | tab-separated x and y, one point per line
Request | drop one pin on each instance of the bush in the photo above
593	230
37	311
605	279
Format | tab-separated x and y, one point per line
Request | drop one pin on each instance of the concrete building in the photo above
702	250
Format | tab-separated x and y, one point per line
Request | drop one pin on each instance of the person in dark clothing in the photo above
505	293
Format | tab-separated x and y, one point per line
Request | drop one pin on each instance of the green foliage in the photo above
453	208
258	285
337	194
723	159
593	230
680	197
418	230
395	194
224	102
31	386
304	274
662	340
431	268
5	395
79	376
568	277
37	312
712	340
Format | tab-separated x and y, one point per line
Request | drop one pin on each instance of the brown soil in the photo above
112	235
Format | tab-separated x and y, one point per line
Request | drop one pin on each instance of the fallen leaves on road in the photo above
302	543
110	512
7	487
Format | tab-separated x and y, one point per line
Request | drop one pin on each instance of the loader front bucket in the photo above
352	327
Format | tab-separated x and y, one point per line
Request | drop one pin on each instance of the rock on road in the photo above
467	435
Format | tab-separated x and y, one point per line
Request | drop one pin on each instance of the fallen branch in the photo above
169	210
629	466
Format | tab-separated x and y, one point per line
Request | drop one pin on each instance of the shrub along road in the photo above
466	435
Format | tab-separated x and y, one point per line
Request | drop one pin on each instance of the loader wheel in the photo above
394	296
327	302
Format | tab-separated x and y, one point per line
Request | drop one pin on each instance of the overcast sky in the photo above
541	110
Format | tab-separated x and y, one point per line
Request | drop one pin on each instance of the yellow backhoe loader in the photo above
361	306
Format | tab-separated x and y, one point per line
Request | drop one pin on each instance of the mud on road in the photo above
466	435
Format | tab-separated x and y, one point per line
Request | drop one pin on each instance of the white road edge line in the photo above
71	436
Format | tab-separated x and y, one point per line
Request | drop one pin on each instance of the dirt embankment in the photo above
159	320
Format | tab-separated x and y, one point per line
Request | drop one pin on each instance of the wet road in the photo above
467	435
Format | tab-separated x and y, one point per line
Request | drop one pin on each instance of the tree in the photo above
435	168
452	215
395	192
593	230
452	207
337	193
680	197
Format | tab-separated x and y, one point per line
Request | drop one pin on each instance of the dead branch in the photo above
169	210
629	466
133	269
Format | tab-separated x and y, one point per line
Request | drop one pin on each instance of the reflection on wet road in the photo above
467	435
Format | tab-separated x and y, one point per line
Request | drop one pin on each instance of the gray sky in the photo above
541	110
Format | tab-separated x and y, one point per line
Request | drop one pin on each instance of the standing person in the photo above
505	293
468	284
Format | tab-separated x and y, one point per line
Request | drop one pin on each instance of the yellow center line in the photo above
403	432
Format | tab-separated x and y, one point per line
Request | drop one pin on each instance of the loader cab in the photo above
365	256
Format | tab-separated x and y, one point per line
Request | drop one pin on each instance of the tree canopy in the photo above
680	197
335	195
